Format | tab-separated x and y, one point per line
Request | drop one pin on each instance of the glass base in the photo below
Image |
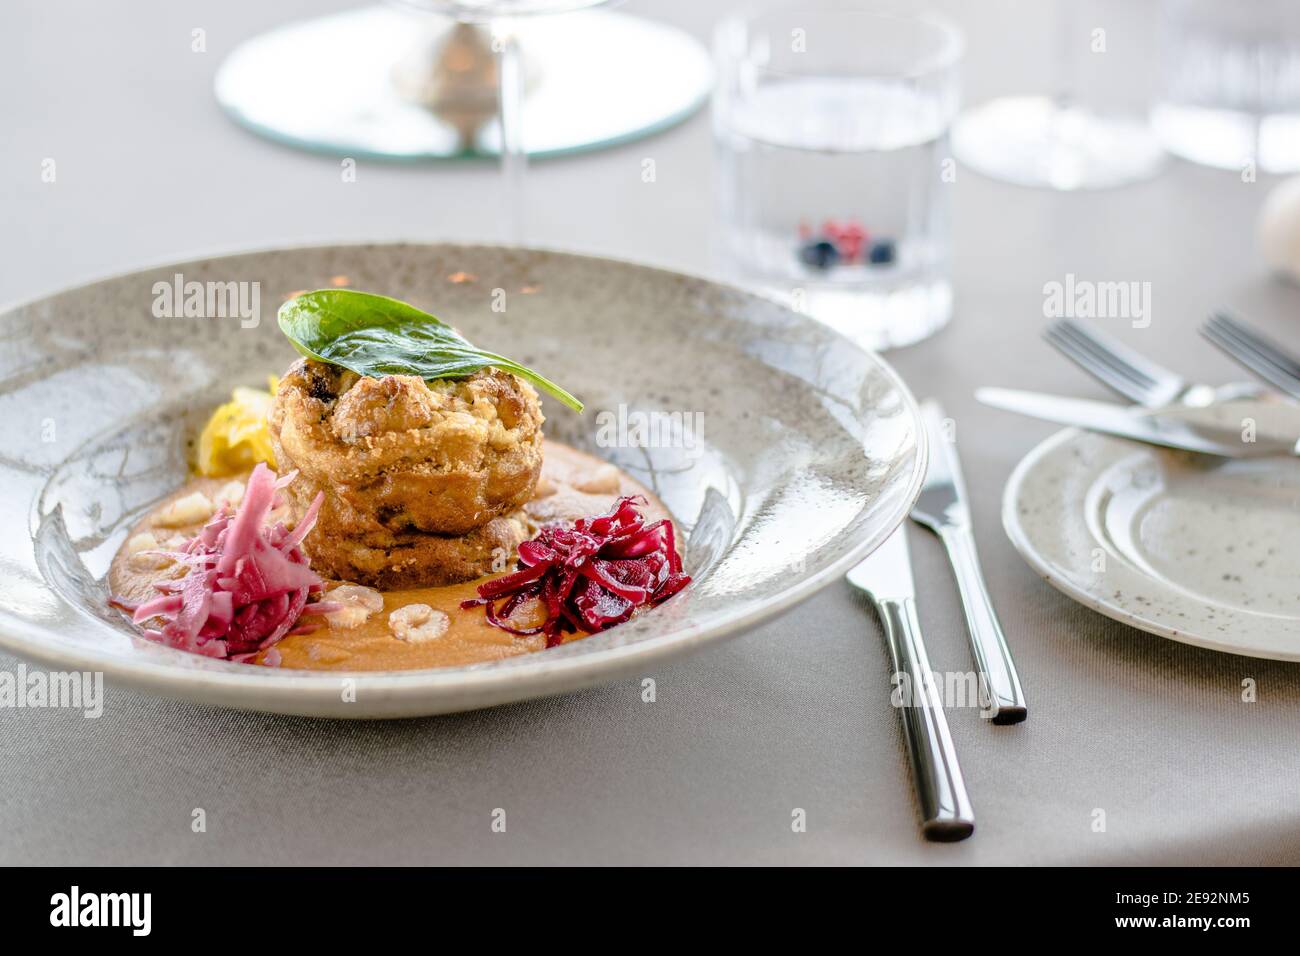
1229	139
1037	141
327	85
877	320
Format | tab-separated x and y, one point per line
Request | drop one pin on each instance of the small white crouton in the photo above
416	623
192	509
358	604
601	481
138	557
232	493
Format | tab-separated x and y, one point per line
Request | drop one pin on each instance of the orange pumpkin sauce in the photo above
573	484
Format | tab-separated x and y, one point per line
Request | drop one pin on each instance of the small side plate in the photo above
1193	548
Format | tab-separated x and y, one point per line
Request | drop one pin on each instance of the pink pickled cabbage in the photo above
248	581
590	575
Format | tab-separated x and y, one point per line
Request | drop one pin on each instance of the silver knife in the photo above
886	577
1154	429
942	508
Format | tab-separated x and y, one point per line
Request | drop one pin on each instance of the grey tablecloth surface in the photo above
791	715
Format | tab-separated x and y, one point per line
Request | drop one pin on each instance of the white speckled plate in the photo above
1198	549
810	451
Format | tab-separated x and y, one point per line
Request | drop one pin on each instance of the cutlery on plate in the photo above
1256	352
1117	366
942	508
1149	427
1132	375
886	577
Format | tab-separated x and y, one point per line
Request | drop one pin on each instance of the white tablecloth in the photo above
791	715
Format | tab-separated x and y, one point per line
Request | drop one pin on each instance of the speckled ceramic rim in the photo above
404	693
1058	576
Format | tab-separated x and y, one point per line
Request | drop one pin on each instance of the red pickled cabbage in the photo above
589	575
248	581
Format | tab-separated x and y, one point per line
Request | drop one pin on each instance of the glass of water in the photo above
831	131
1231	95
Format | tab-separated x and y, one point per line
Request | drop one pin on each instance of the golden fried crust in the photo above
407	469
399	561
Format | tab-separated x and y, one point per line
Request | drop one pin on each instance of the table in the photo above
793	715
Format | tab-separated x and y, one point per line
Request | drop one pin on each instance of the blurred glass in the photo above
1231	83
831	130
1061	141
500	17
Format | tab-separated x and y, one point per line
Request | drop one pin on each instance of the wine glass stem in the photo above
514	157
1069	38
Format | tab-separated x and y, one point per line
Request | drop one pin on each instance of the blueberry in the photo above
882	252
820	254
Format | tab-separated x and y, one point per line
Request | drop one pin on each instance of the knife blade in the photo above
886	573
942	501
886	577
1137	425
942	508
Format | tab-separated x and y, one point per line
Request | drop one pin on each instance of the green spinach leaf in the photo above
375	335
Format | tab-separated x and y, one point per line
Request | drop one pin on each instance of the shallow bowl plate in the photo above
1194	548
786	453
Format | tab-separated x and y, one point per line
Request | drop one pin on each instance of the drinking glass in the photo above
1231	83
831	134
1058	142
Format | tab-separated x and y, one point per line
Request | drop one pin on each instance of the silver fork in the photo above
1256	352
1134	376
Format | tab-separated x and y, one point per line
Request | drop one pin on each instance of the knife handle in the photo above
1001	683
945	807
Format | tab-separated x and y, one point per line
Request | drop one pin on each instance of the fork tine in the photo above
1224	337
1133	390
1262	344
1241	355
1248	350
1118	367
1105	352
1119	352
